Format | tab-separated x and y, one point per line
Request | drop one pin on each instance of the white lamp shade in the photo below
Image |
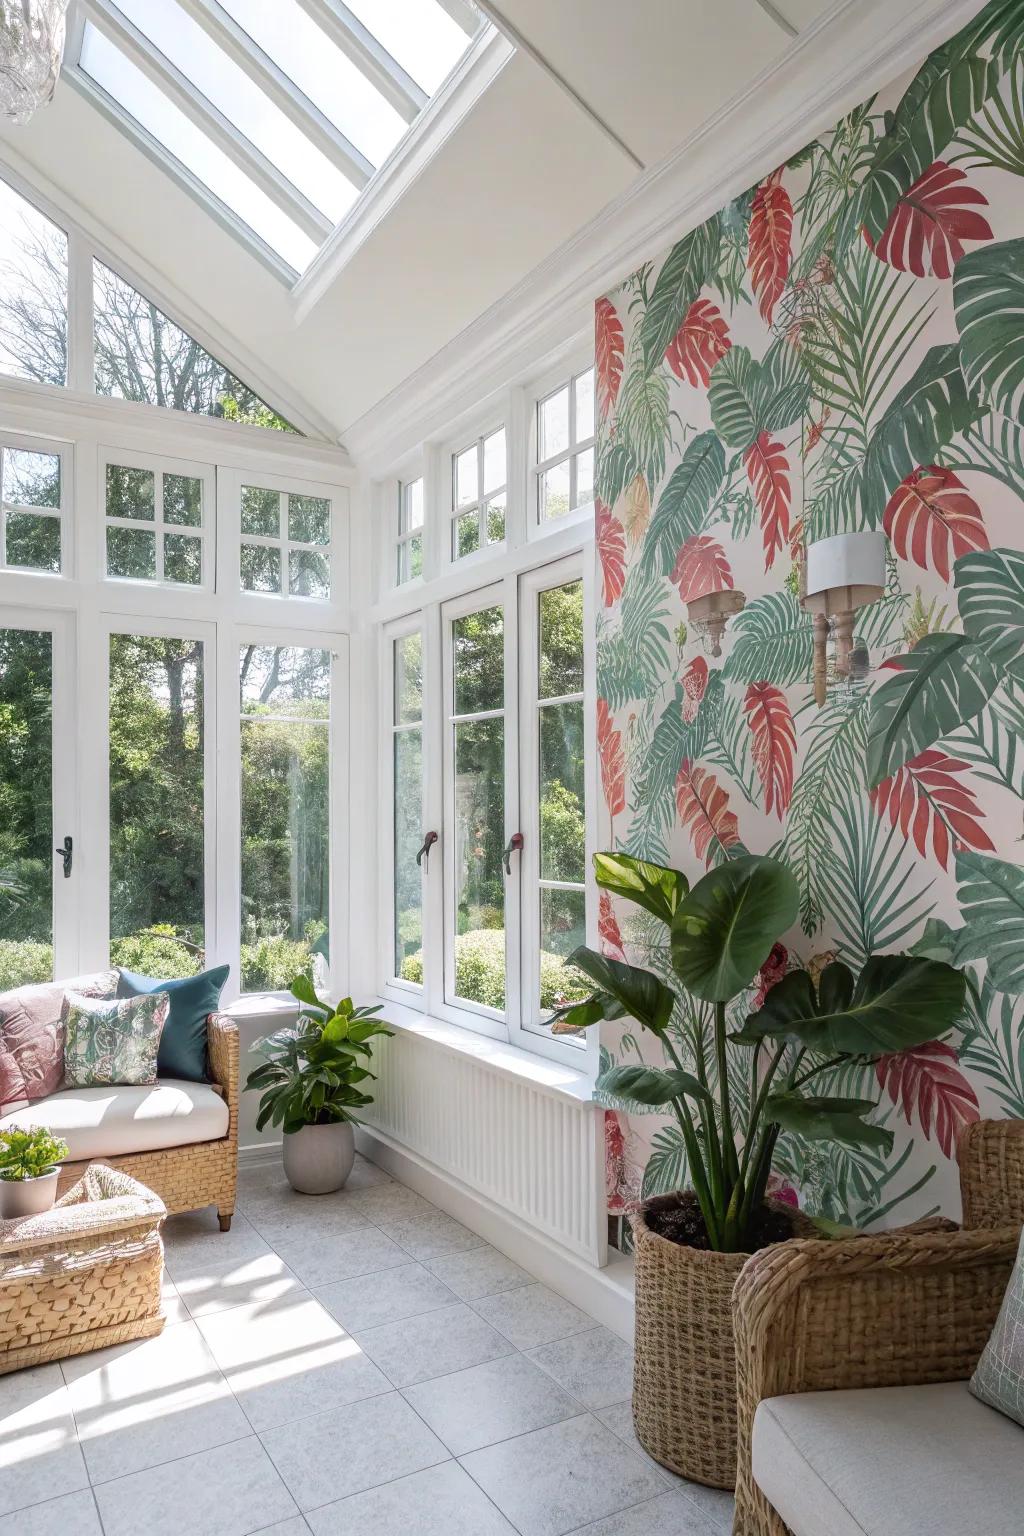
845	572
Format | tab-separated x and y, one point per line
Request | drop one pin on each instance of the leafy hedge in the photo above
480	971
269	965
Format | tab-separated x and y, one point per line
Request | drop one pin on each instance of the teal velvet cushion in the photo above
999	1377
183	1042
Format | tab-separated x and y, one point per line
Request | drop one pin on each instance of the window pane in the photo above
412	506
408	679
465	535
494	516
408	807
585	406
478	643
183	559
419	34
183	500
285	703
584	477
467	479
494	461
479	876
33	542
156	804
309	574
309	519
554	491
31	479
410	558
260	568
561	641
563	927
131	492
562	831
33	292
553	429
261	511
131	552
26	818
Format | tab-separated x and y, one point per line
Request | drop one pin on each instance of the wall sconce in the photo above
710	613
841	575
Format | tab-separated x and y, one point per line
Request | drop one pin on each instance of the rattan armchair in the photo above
897	1309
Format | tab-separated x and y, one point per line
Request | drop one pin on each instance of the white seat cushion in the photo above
110	1122
892	1461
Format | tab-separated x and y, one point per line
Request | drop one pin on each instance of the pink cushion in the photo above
32	1036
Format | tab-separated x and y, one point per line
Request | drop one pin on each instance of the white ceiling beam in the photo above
463	14
222	28
347	32
219	129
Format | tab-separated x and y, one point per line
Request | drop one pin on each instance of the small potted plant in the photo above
733	1086
30	1158
310	1084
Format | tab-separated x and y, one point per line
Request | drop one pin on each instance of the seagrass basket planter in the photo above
684	1377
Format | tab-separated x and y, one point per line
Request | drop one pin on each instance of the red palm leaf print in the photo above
768	472
925	796
931	516
695	681
771	721
700	568
608	930
703	807
611	549
928	225
613	760
608	350
928	1078
769	242
698	344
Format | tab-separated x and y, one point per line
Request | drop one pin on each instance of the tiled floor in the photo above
355	1365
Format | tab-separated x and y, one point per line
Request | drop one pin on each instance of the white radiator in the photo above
533	1153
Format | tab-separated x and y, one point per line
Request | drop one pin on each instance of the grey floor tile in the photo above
331	1455
718	1506
339	1258
490	1402
442	1501
298	1218
619	1419
479	1272
368	1300
194	1243
39	1453
559	1478
382	1203
596	1367
263	1279
532	1315
230	1491
670	1515
74	1514
430	1236
295	1527
432	1344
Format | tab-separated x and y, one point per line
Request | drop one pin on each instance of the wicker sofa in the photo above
821	1327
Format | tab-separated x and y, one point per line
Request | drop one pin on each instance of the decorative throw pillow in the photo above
999	1377
32	1036
193	999
112	1042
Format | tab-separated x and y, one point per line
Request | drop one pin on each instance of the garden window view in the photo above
26	817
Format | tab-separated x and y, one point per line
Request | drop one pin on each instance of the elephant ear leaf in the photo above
724	931
991	897
990	596
825	1119
656	888
942	683
638	993
643	1090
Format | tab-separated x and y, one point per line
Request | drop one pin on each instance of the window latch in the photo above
65	851
428	843
515	845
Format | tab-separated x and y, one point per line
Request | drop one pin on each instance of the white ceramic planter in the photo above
319	1158
27	1197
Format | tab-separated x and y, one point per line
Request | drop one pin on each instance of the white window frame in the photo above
206	534
542	391
231	482
483	500
21	443
409	992
407	533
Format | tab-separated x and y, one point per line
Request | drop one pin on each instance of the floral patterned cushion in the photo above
112	1042
999	1377
32	1036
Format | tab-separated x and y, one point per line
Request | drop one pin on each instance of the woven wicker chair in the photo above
199	1173
897	1309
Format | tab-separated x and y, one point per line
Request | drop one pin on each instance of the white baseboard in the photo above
607	1294
261	1154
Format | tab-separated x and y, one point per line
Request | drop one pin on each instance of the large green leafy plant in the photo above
720	934
312	1073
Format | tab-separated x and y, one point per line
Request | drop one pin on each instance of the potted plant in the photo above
733	1091
30	1158
310	1086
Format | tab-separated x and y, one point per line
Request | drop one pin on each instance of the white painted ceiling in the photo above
597	90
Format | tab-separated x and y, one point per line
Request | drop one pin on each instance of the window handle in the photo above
428	843
65	851
515	845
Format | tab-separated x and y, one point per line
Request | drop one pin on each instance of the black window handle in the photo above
428	843
515	845
65	851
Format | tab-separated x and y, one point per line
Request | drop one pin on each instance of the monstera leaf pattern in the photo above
112	1042
839	350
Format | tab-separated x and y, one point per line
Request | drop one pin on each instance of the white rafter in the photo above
337	22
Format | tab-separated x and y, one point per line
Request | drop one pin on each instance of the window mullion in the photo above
81	346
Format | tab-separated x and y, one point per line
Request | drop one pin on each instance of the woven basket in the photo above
684	1381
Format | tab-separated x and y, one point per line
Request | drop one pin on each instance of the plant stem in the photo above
698	1176
708	1127
757	1107
732	1167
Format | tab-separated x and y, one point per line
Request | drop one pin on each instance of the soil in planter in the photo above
678	1218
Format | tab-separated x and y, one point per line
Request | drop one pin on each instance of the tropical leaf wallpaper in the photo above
841	349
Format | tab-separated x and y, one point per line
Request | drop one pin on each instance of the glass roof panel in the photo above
418	34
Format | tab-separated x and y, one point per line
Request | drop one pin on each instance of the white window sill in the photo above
262	1005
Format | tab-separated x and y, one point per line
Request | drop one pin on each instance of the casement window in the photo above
479	494
158	516
405	830
33	482
286	543
564	435
33	292
409	563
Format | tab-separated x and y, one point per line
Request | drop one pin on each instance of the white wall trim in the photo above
854	48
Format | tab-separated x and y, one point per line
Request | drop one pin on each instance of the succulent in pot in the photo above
30	1158
311	1085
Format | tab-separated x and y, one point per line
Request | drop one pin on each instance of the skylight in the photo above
276	113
